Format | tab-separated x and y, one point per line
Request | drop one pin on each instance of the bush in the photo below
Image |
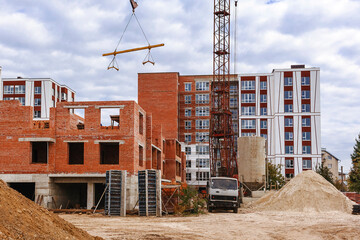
190	201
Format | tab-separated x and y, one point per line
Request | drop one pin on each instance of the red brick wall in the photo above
158	94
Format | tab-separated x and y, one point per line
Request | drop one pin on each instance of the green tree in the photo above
325	172
354	175
190	201
274	175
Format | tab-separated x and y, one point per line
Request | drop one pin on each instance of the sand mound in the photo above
21	218
307	192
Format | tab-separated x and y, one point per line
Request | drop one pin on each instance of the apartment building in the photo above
63	160
40	93
331	162
282	106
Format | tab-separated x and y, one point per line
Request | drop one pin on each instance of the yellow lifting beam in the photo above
133	49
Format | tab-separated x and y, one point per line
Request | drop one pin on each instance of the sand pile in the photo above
307	192
21	218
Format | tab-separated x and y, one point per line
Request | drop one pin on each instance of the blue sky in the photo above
64	40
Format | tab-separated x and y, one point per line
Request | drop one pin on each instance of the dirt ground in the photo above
247	224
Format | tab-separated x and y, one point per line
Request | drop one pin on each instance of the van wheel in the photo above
210	209
235	210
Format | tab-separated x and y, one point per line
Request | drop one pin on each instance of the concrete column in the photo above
90	195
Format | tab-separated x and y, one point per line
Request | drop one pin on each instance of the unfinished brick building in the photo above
62	161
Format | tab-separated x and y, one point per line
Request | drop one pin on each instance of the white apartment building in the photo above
41	93
284	107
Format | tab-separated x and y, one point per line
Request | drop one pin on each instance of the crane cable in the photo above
235	36
148	57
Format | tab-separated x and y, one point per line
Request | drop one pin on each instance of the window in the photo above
202	163
39	152
19	89
21	100
305	107
202	111
187	87
306	149
76	153
247	134
263	111
8	98
247	85
37	90
288	81
188	177
141	156
233	89
202	176
289	136
188	112
202	124
305	94
263	86
289	149
306	136
202	137
141	123
288	122
109	153
63	96
37	114
306	122
263	98
288	95
329	166
187	137
187	150
202	86
289	175
248	111
306	164
248	124
8	89
305	81
53	91
188	164
202	98
289	163
234	114
248	98
235	127
187	124
202	150
37	102
264	136
187	99
233	102
288	108
263	124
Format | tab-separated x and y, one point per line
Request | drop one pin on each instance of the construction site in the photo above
189	159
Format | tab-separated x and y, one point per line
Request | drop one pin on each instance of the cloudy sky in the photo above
64	40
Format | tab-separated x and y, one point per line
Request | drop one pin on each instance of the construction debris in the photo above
307	192
21	218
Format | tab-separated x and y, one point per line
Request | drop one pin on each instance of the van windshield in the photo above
224	184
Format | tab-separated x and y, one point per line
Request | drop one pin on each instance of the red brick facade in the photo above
136	131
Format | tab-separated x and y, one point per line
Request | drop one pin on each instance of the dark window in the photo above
141	156
76	153
109	153
39	152
141	123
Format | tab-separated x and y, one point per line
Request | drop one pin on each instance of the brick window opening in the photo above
141	123
110	117
141	156
76	153
109	153
39	152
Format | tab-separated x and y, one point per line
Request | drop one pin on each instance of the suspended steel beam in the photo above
134	49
